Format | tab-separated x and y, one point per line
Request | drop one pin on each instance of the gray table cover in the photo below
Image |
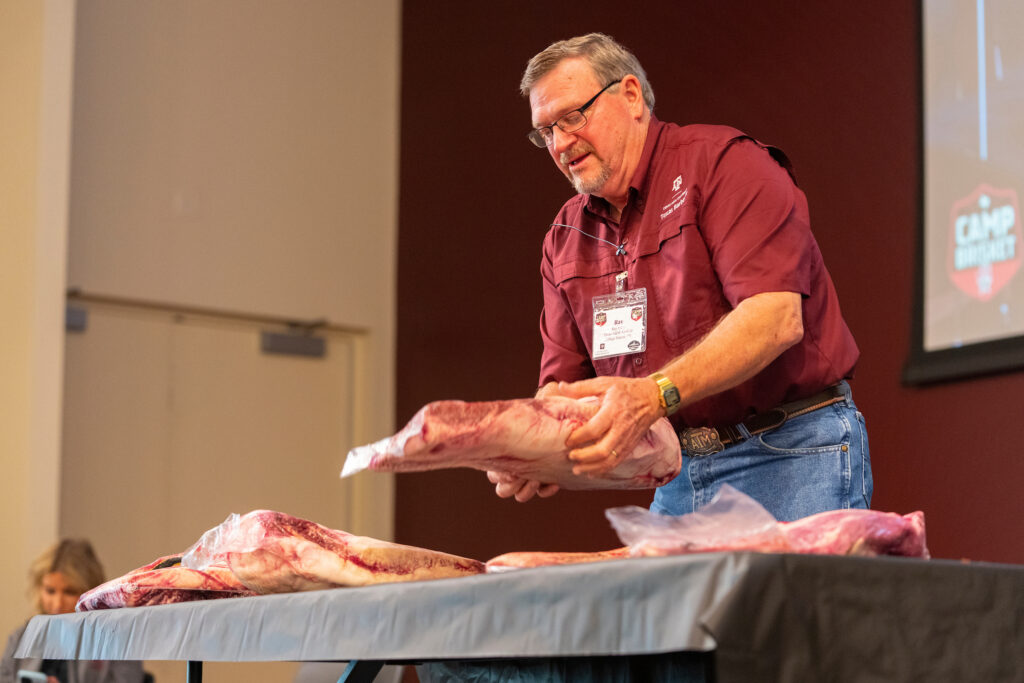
766	617
614	607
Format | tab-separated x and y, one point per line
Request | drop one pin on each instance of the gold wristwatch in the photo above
669	393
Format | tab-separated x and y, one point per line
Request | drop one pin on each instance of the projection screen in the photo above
969	302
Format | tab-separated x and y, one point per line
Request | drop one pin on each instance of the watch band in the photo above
668	394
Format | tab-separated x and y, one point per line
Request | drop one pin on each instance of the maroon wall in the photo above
834	84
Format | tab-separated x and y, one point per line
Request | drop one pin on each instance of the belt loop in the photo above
844	388
730	434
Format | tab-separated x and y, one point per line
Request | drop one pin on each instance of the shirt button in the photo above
637	360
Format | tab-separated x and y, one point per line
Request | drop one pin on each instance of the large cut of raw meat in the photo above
161	582
523	437
524	560
858	532
734	521
837	532
272	552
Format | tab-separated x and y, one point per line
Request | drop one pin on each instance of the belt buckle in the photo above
700	441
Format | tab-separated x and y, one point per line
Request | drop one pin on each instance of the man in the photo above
683	280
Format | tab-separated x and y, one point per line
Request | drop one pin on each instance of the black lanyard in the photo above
620	249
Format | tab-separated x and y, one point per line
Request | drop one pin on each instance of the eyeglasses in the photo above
568	123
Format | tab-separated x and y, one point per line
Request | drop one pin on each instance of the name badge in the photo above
620	323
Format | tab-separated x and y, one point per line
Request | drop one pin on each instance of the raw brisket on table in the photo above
272	552
523	437
161	582
735	521
524	560
838	532
858	532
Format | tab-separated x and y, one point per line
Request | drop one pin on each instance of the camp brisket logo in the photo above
984	238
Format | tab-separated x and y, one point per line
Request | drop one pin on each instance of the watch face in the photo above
672	396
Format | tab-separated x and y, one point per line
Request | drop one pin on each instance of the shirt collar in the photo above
639	184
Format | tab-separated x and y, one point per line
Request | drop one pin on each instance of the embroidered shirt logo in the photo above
677	199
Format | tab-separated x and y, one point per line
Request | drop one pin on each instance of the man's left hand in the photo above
629	406
509	485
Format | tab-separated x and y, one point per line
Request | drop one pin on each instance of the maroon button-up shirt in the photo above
712	218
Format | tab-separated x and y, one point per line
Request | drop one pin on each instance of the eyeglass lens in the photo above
569	122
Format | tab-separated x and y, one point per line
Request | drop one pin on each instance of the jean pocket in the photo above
823	431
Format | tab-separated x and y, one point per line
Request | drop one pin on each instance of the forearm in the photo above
743	343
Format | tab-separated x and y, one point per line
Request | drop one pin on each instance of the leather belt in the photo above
700	441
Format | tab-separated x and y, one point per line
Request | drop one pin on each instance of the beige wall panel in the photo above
238	156
181	420
243	158
35	91
21	28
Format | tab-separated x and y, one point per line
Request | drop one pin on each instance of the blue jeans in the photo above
815	462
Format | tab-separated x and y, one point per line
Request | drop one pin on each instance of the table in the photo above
763	617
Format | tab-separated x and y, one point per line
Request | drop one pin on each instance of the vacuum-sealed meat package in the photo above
735	521
164	581
522	437
529	559
273	552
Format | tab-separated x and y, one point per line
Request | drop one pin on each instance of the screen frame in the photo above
963	362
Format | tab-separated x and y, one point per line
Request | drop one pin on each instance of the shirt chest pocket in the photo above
684	293
580	281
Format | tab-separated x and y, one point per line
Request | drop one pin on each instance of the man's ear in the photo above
634	94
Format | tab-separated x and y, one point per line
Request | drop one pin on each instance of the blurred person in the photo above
57	578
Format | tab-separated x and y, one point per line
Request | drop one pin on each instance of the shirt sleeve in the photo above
756	225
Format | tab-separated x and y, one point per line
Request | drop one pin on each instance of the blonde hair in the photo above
74	559
609	60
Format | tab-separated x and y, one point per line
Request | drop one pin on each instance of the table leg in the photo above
361	671
194	672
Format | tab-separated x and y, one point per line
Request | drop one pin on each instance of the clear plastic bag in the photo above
212	547
524	438
731	521
274	552
163	581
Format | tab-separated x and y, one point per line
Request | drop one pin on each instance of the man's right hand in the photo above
509	485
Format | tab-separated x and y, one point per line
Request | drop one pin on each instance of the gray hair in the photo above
609	60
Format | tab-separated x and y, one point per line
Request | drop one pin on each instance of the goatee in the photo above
585	186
